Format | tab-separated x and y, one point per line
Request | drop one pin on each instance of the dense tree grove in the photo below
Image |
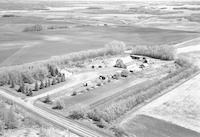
8	118
39	71
158	52
45	73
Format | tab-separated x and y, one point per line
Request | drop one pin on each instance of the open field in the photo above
109	68
167	115
61	42
81	26
143	126
178	109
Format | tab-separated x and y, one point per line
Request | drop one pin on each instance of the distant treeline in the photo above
38	71
9	15
187	8
34	28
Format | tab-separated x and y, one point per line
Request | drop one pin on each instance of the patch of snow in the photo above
53	38
67	73
188	49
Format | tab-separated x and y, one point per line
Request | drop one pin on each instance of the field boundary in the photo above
56	124
123	117
110	98
74	121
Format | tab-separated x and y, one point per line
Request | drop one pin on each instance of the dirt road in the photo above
192	86
60	121
181	106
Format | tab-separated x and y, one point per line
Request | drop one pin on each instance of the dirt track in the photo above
190	88
180	106
60	121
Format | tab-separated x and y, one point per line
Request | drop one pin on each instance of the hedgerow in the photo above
158	52
122	104
127	102
38	71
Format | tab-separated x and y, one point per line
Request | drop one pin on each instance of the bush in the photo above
21	88
42	85
12	84
10	119
116	76
124	73
47	100
119	132
183	62
29	93
99	84
158	52
27	78
74	93
53	70
36	86
116	47
120	64
94	115
77	114
100	124
58	106
54	81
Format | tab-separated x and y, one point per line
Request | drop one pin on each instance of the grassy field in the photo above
42	45
143	126
72	27
180	106
99	93
87	27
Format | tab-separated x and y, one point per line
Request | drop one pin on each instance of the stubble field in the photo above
84	26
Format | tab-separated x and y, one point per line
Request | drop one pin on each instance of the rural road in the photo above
184	97
60	121
74	127
63	122
66	123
